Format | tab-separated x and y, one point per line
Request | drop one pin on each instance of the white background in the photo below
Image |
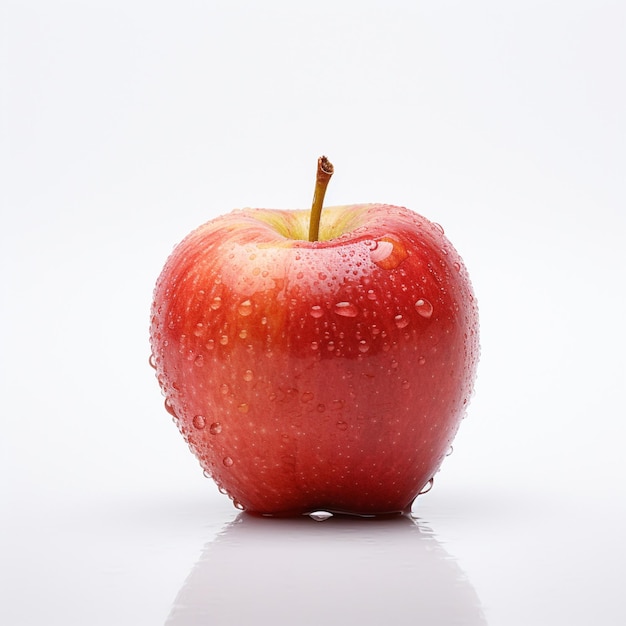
125	124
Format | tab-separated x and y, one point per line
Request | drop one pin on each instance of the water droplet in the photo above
363	346
321	408
223	340
457	266
424	308
207	474
216	303
439	227
421	360
371	294
388	253
243	333
199	329
320	516
245	308
330	346
224	389
341	425
199	422
243	407
215	428
248	376
316	311
238	505
169	408
322	276
228	462
199	361
406	384
152	361
380	250
450	451
401	321
210	344
427	487
314	345
307	396
346	309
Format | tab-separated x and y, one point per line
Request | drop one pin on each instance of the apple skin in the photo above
328	375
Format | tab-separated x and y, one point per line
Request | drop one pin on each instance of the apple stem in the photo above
325	170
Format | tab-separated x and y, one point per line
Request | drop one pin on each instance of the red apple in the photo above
317	375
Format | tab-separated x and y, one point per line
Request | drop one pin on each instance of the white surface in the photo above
126	124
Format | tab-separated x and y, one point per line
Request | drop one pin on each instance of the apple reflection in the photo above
338	571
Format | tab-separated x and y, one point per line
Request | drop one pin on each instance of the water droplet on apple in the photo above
199	361
199	329
207	474
363	346
321	408
450	451
424	308
406	384
380	250
388	253
322	276
314	345
199	422
238	505
215	428
243	333
216	303
401	321
439	227
243	407
421	360
346	309
210	344
248	375
245	308
224	389
320	516
169	408
341	425
228	462
316	311
223	340
371	294
457	266
307	396
152	361
427	487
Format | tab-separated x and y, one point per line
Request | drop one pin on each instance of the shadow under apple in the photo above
340	571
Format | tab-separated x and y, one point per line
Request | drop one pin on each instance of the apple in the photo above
317	364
